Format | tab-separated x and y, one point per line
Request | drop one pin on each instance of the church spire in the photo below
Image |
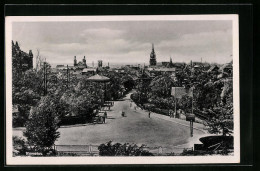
153	57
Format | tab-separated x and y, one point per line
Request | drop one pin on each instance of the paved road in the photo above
136	127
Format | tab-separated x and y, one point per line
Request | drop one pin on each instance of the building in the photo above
167	64
213	68
170	64
153	57
80	64
100	63
59	66
89	71
64	68
226	68
20	59
159	71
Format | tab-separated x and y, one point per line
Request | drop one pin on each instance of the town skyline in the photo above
127	42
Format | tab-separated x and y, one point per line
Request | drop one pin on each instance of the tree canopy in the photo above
42	125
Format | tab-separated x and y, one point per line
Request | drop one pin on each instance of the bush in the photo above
118	149
19	146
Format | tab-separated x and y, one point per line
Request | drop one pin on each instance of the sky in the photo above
126	41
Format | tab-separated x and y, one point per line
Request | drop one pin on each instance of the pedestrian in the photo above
135	108
104	119
105	114
170	113
149	114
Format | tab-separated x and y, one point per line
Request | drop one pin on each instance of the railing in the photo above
92	150
77	150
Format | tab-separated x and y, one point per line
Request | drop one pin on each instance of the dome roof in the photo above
98	78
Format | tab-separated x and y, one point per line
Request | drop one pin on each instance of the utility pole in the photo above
192	104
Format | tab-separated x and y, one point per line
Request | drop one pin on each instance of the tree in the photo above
115	85
25	93
41	128
221	115
221	120
185	103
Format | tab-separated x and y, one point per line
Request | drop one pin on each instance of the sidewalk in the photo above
197	126
191	140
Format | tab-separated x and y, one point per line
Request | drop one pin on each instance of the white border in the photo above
10	160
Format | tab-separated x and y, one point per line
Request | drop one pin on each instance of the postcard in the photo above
150	89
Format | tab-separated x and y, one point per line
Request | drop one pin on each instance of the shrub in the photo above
19	146
118	149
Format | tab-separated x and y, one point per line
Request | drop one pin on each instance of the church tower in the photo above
75	61
84	61
152	57
170	64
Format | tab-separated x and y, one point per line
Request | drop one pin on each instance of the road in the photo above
136	127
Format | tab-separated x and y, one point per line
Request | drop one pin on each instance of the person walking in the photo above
149	114
105	114
104	119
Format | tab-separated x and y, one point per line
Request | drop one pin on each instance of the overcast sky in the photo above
127	41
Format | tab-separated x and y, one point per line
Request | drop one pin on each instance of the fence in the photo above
92	150
76	150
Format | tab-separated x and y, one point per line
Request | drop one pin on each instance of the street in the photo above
136	127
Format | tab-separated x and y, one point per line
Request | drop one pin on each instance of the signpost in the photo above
190	117
178	92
